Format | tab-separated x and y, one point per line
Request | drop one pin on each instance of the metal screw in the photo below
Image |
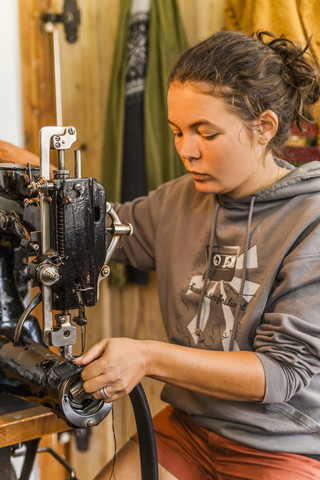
71	130
57	145
67	200
90	423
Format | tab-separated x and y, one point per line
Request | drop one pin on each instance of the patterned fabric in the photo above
166	39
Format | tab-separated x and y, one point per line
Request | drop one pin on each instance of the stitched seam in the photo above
294	259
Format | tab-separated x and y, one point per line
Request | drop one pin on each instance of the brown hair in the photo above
253	75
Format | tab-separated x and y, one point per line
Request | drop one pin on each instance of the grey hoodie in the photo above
263	269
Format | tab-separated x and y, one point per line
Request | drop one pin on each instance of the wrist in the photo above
150	348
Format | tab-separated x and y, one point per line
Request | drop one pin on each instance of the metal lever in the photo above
117	229
70	19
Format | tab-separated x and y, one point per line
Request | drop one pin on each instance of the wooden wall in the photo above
85	72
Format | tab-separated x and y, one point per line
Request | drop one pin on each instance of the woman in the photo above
236	246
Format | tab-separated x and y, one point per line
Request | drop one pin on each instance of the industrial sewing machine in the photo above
54	231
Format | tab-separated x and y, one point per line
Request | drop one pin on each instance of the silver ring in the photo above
104	393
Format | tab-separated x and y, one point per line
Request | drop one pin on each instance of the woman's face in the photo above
214	144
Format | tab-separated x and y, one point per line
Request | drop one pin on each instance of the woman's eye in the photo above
209	137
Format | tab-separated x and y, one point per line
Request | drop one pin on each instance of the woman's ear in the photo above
266	126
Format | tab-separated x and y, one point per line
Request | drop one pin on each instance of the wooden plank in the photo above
38	98
85	73
28	424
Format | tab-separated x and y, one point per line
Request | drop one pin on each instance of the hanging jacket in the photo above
265	246
166	40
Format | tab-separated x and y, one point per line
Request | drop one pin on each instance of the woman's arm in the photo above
120	364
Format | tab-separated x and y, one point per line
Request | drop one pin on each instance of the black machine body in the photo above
53	232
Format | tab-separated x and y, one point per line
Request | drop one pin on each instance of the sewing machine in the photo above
54	232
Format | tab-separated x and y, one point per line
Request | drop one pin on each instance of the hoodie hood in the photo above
300	181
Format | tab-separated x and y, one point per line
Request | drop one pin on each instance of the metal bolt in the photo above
71	130
90	423
57	145
57	138
34	247
67	200
48	27
48	275
105	271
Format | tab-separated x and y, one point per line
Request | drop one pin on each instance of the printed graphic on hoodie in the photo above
222	295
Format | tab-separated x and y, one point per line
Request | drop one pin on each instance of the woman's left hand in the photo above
116	363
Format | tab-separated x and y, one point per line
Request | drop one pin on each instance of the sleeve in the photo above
144	215
288	340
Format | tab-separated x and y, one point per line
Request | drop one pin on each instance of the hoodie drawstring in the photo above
206	276
243	276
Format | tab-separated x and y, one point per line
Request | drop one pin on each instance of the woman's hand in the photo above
116	363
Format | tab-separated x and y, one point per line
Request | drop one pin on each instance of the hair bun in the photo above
299	71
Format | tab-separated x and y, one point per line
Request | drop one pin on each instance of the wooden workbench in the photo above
21	421
24	422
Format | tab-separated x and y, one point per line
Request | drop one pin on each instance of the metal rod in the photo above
32	305
77	164
57	75
61	160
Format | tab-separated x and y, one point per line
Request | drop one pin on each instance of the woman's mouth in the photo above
198	175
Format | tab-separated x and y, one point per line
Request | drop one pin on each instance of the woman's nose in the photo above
188	149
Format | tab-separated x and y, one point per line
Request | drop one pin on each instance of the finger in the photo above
95	384
115	394
94	352
94	369
106	396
